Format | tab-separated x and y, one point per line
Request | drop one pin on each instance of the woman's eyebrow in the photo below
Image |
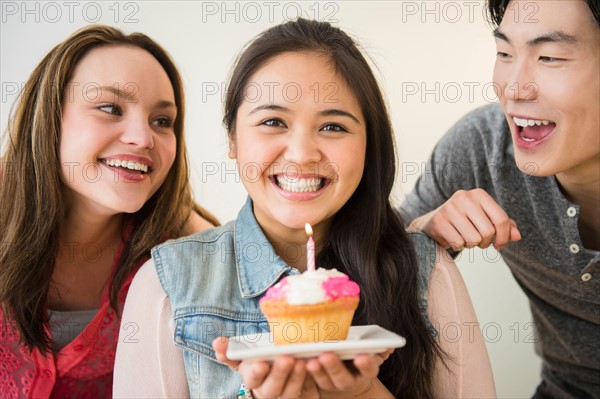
270	107
340	112
164	104
123	94
327	112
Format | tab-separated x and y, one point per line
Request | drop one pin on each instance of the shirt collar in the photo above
258	266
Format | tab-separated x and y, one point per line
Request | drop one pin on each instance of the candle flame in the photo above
308	229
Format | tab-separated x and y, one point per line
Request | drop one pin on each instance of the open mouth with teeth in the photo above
296	184
129	166
532	130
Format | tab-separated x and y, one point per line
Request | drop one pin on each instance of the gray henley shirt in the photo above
560	278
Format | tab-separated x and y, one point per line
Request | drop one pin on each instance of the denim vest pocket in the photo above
196	328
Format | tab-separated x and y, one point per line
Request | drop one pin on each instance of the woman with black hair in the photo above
309	129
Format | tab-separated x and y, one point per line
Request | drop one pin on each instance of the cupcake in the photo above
315	306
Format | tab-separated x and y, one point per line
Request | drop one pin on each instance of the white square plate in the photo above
361	339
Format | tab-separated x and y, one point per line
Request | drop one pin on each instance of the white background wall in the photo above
434	59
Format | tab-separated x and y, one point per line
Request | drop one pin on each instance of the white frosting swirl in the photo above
307	288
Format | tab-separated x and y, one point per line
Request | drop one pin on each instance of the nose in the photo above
520	85
302	147
139	133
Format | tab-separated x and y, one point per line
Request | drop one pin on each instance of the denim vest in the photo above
214	280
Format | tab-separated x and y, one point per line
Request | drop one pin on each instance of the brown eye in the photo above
333	127
112	109
273	122
163	122
550	59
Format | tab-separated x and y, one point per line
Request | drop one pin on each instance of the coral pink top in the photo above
82	369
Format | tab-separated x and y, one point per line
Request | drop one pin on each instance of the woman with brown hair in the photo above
94	173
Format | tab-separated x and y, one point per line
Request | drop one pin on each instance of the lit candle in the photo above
310	249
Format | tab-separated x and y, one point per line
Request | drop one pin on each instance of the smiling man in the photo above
531	180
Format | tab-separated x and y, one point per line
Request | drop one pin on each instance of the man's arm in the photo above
449	202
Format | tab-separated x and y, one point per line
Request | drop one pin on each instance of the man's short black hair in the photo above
497	8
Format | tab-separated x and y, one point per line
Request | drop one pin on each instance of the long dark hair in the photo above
367	238
31	201
497	8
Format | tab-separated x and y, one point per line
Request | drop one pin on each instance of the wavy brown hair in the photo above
367	240
31	189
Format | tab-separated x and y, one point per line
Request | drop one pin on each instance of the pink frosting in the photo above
331	288
336	287
277	291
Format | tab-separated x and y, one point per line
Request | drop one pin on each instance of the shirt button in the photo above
574	248
48	373
586	277
78	348
571	211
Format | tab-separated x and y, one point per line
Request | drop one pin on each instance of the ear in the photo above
232	147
